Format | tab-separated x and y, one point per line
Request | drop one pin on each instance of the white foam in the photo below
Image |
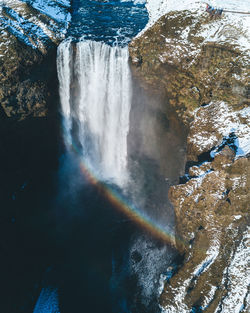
101	107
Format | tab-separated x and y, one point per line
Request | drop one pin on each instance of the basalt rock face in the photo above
212	214
201	66
30	32
26	80
29	136
176	55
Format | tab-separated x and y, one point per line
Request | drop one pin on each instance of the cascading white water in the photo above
99	104
64	58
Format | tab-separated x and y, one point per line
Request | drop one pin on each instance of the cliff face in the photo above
30	32
177	55
201	65
29	140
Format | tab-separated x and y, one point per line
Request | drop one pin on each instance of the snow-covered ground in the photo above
53	9
218	30
224	121
214	126
158	8
35	23
232	28
238	273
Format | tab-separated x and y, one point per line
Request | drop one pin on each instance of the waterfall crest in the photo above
95	92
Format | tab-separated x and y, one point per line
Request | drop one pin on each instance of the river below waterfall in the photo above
110	223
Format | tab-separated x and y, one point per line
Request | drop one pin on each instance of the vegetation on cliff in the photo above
201	65
177	56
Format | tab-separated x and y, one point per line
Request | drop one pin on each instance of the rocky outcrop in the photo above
211	214
200	64
30	32
23	91
177	56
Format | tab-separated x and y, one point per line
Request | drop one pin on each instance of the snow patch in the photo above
224	121
180	293
226	29
238	278
48	22
212	254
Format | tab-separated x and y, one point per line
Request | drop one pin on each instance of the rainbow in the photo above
120	203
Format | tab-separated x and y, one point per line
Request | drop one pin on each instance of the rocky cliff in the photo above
30	31
200	63
29	139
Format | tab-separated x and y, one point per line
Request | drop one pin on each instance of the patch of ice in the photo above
200	170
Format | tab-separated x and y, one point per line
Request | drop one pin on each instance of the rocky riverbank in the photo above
200	64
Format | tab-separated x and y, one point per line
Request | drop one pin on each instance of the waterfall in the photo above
64	58
95	92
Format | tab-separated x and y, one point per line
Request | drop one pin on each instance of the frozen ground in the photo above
234	29
224	121
36	23
158	8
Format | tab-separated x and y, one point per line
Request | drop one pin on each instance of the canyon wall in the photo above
200	63
29	140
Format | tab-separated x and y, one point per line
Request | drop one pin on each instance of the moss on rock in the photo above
173	56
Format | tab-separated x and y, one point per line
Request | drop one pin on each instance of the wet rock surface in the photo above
204	78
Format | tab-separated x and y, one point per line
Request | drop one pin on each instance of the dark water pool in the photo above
108	20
